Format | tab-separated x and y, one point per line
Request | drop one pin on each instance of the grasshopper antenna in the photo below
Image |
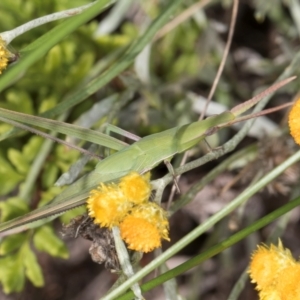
212	91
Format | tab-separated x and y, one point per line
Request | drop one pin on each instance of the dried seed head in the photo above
102	249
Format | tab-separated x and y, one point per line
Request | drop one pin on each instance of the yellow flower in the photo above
266	264
294	121
108	205
136	187
139	234
142	224
144	228
4	55
275	272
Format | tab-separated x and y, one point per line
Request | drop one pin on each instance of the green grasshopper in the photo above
141	156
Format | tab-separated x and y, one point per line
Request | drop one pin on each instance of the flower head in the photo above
136	187
144	228
267	263
294	121
139	234
142	223
4	55
108	205
275	272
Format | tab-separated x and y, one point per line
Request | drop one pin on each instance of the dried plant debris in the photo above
271	153
102	249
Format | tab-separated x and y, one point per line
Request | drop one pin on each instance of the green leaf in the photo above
54	59
12	274
13	207
9	176
84	64
50	175
48	103
12	243
18	101
45	240
18	160
32	268
32	147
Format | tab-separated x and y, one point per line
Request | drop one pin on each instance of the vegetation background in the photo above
159	91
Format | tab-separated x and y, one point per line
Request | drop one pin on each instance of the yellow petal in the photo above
288	286
136	187
144	227
294	121
139	234
107	205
